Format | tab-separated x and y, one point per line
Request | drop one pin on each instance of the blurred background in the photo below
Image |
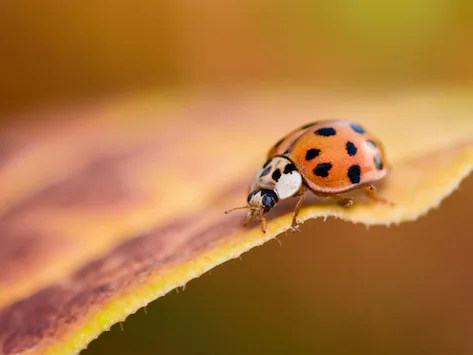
55	51
335	288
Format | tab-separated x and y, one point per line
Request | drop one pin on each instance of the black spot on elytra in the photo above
378	161
371	143
354	174
265	171
266	164
278	143
322	169
289	168
351	149
357	128
326	132
308	125
312	153
276	175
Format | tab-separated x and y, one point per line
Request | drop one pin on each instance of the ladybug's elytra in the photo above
327	157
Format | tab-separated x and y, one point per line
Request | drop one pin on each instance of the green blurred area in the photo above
55	51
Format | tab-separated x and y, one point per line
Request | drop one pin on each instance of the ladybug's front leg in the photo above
295	223
263	221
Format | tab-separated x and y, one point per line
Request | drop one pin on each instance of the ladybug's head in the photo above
260	201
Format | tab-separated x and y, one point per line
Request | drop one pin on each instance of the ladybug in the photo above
328	157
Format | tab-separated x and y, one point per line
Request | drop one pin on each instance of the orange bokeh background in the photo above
55	51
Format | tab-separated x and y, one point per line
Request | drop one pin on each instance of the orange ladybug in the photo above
328	157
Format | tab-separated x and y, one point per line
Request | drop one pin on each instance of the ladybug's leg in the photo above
342	201
263	221
371	193
295	224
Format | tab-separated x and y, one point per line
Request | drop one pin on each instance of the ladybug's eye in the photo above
250	196
268	201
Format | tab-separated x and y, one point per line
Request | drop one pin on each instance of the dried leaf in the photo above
106	211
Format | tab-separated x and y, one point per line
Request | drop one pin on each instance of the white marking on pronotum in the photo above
286	186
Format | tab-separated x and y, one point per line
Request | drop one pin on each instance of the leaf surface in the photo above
117	205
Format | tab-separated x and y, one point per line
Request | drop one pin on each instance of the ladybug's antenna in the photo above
236	208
